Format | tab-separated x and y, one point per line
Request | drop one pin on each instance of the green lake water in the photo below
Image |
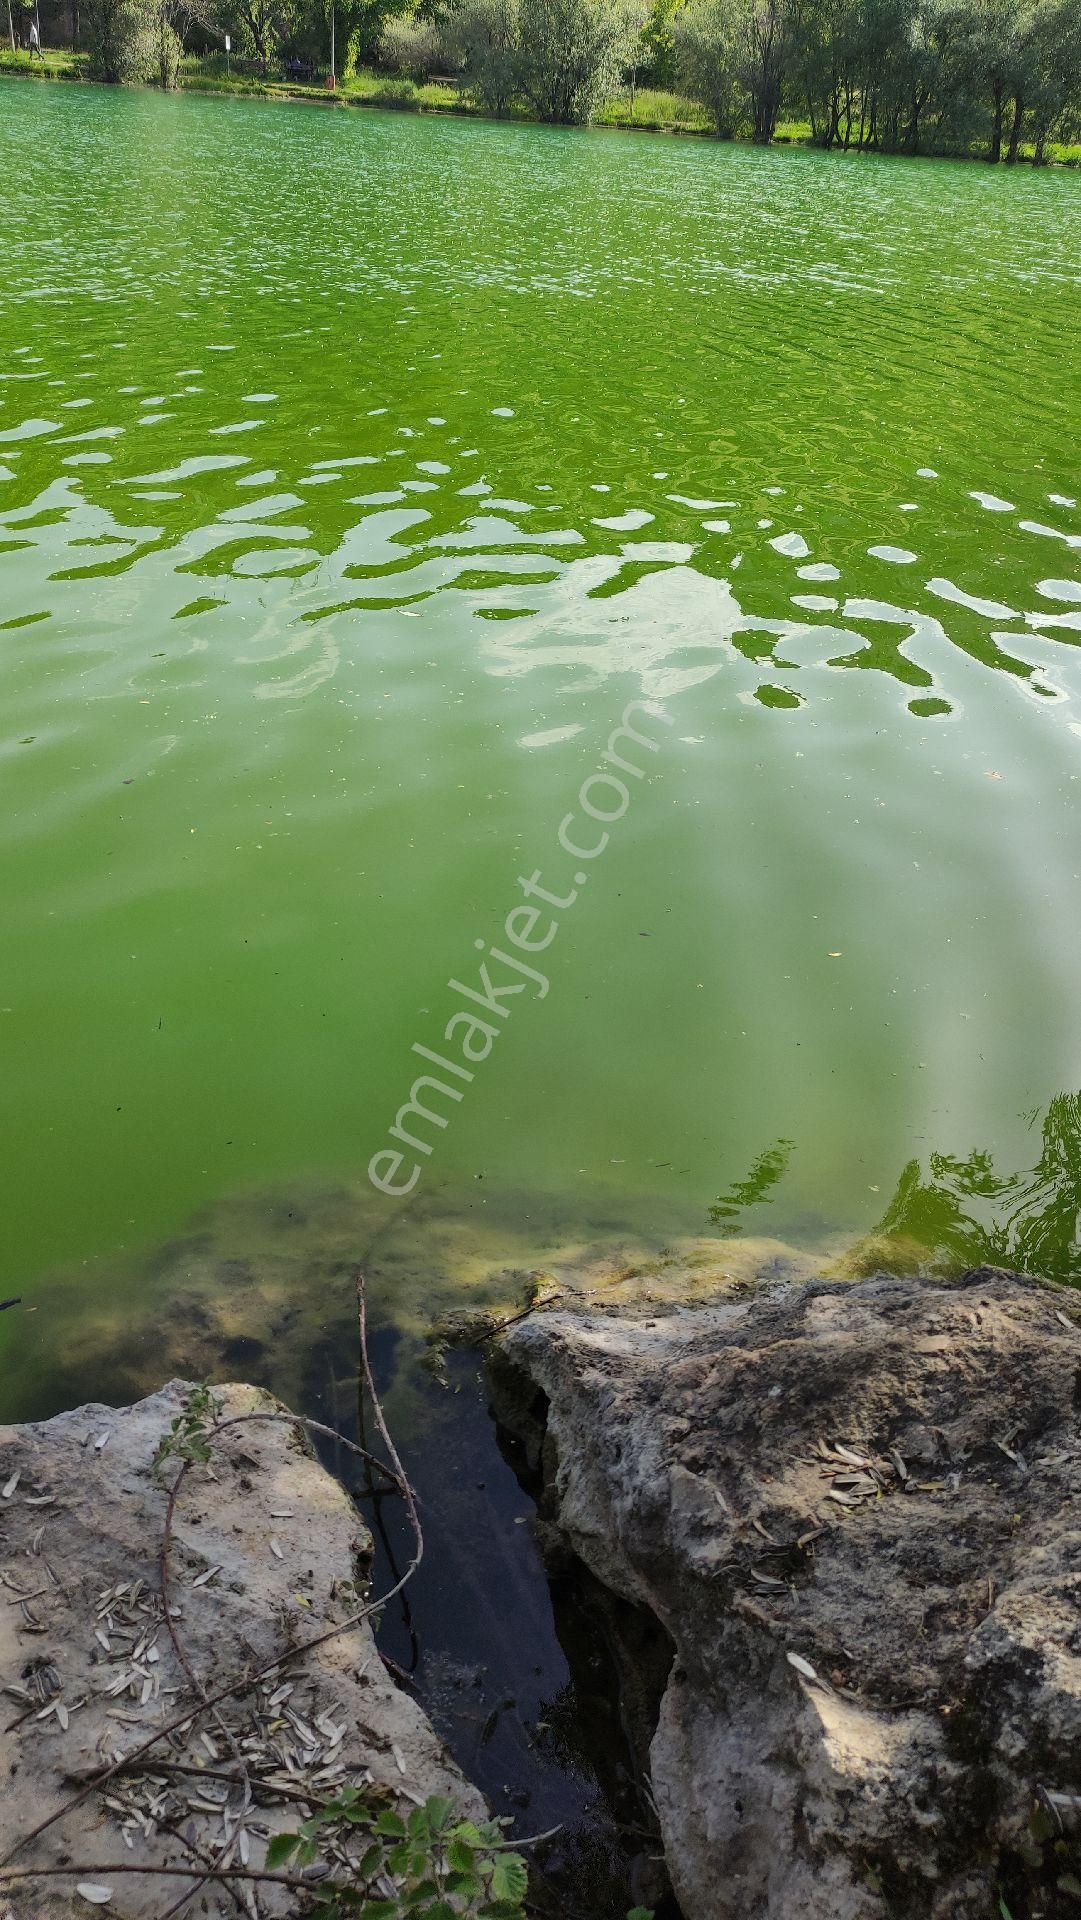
356	472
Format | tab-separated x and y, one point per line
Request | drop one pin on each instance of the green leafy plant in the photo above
188	1438
431	1866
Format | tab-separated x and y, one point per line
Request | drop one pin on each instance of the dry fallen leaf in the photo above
97	1896
801	1665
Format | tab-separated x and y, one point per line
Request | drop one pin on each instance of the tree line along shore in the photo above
989	79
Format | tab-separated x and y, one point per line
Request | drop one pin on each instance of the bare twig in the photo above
195	1679
398	1478
298	1794
199	1853
213	1868
531	1840
11	1874
307	1798
244	1781
550	1300
403	1482
511	1319
243	1683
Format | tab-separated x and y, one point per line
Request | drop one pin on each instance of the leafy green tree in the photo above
360	28
1053	73
260	22
484	35
735	57
571	53
120	40
657	56
1008	45
704	33
415	46
827	59
266	30
764	46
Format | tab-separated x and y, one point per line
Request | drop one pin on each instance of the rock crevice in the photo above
855	1509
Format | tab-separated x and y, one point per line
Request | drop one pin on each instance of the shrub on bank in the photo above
560	57
571	53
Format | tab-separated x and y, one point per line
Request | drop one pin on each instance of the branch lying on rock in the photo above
196	1432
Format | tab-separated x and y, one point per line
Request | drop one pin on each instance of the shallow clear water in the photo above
356	471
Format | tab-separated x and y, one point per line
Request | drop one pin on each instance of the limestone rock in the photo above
82	1515
856	1512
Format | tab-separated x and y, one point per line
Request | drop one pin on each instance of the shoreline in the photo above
283	93
822	1529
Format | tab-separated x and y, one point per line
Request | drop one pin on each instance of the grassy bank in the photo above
652	110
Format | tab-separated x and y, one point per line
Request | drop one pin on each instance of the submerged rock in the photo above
267	1552
261	1286
855	1510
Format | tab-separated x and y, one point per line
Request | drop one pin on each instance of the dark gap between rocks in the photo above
544	1686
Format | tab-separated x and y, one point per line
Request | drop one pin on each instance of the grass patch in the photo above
56	63
655	111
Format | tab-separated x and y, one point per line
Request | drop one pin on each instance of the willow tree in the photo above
571	54
1053	73
736	57
704	38
484	36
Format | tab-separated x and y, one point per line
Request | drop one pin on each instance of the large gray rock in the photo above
856	1512
81	1516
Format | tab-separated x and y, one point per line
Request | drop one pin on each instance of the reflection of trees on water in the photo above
962	1212
763	1177
966	1213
